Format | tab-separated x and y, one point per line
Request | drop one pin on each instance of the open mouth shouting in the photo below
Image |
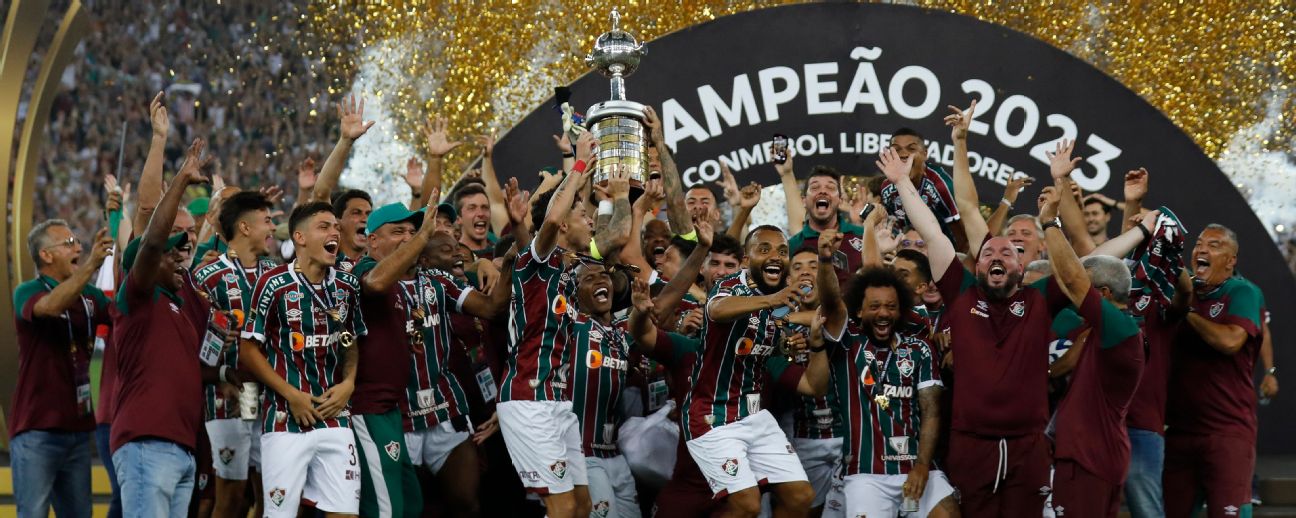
882	328
331	247
457	267
602	295
773	273
998	273
1201	266
1020	246
659	253
479	227
822	203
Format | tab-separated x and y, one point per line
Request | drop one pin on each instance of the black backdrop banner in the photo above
839	78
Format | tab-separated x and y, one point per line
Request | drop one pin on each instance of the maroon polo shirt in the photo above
1000	354
1091	418
1147	411
53	359
159	379
385	351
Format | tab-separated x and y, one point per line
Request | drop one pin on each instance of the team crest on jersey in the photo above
342	310
226	455
730	467
393	450
857	244
229	277
906	367
1143	302
202	481
601	508
559	468
559	305
277	496
293	296
1216	309
1017	308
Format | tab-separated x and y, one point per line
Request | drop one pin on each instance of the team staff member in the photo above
300	344
51	417
998	456
159	381
244	224
1211	419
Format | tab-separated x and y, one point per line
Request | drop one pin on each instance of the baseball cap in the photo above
198	207
392	213
132	248
449	210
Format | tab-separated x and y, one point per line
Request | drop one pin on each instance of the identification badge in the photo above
212	345
424	398
753	403
84	403
486	382
658	393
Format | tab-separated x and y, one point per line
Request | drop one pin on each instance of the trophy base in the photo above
606	109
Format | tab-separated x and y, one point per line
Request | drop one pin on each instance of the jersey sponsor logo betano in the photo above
902	392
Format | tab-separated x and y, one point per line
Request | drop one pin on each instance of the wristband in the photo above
1147	234
691	236
1272	371
567	154
594	250
1005	201
817	349
223	370
1052	223
605	208
578	167
417	194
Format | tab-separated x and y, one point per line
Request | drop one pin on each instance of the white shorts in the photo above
235	445
432	447
320	465
739	455
612	488
820	458
880	495
544	442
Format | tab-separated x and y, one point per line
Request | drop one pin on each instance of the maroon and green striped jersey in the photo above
293	323
228	284
730	370
878	440
813	416
537	363
602	360
433	394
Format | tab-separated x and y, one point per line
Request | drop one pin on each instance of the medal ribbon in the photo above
326	301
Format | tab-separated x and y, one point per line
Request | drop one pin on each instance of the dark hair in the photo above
340	201
875	184
234	207
907	131
1106	209
727	245
824	171
468	190
753	231
503	245
916	257
304	212
685	246
703	187
804	249
540	206
878	277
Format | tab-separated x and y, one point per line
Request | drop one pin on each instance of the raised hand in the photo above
1049	200
895	169
351	116
438	138
829	241
306	174
158	117
784	168
692	322
729	185
651	198
1060	162
705	232
487	143
654	125
101	249
1148	219
749	196
191	170
273	193
519	202
640	297
414	174
563	143
430	209
585	148
1016	185
1136	184
114	201
816	339
618	184
959	120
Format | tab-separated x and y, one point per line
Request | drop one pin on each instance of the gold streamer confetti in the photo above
1209	66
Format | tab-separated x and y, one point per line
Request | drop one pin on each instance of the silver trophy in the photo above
617	123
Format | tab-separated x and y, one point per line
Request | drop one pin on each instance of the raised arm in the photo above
642	329
732	307
351	127
494	193
1015	186
149	189
490	306
965	193
68	292
632	252
1136	188
831	304
1073	225
668	299
390	269
546	237
1122	245
439	145
153	243
814	381
791	191
610	237
519	207
748	197
1070	274
676	212
940	251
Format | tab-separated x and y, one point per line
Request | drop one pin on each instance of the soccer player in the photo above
1211	416
935	186
300	343
998	456
535	418
733	441
228	283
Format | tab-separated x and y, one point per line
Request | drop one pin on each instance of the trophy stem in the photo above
618	87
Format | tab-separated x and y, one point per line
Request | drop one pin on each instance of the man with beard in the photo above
299	342
1092	449
822	196
474	210
228	282
935	186
1096	217
998	456
734	442
1211	419
535	417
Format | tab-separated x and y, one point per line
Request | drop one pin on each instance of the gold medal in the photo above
883	402
334	314
347	339
418	315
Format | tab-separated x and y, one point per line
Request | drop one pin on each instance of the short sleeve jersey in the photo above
602	361
54	359
813	416
300	328
729	372
879	440
1147	411
538	366
936	190
1211	392
227	284
847	259
1090	422
1000	353
433	394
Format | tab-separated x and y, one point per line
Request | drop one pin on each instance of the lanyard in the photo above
325	301
414	308
879	380
67	315
232	261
